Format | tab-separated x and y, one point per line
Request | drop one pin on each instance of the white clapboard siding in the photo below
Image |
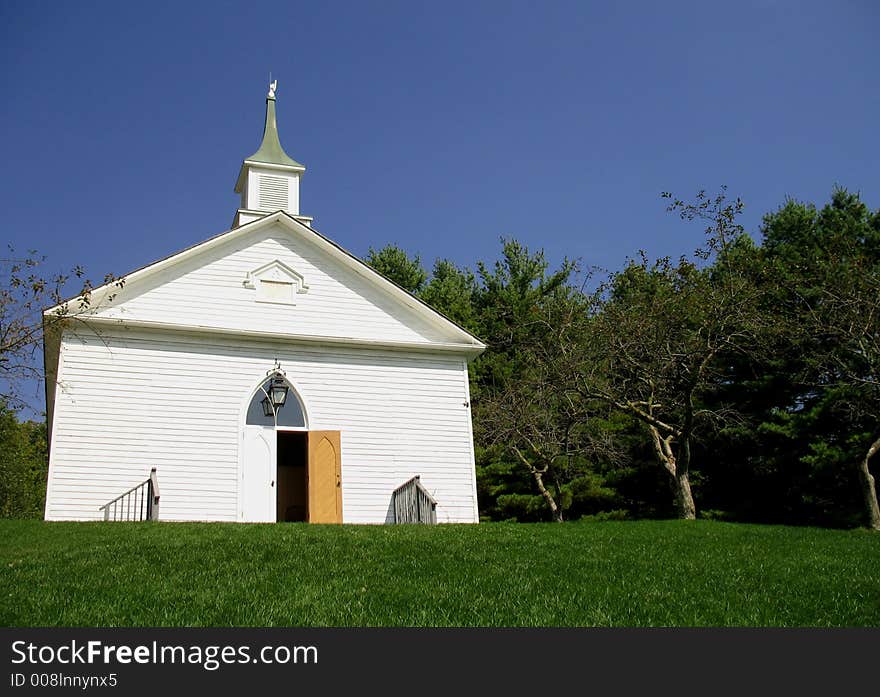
129	400
209	290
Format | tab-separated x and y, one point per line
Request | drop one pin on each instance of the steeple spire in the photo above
269	179
270	149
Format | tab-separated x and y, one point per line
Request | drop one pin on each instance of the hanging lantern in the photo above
278	391
267	407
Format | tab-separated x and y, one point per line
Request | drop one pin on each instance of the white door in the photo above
258	475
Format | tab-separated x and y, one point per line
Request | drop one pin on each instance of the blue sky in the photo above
440	126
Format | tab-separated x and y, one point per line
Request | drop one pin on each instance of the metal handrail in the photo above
154	490
143	498
413	504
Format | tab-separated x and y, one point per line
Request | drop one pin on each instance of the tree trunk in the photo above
538	474
678	471
548	497
684	500
868	489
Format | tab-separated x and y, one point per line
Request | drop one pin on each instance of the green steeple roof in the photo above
270	150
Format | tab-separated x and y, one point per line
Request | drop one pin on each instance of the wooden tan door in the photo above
325	477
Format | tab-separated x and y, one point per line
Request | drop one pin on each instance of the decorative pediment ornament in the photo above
276	282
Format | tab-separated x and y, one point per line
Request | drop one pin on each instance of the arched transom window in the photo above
289	414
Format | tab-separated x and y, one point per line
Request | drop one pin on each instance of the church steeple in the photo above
270	150
269	179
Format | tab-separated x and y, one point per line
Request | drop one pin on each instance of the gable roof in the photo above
464	338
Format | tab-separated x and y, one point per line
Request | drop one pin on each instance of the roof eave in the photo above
469	350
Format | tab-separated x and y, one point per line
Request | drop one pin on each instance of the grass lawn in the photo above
646	573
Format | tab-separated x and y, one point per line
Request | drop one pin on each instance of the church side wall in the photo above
131	400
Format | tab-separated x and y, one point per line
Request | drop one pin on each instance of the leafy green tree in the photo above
519	406
395	264
748	373
24	291
827	263
509	303
453	292
654	346
23	462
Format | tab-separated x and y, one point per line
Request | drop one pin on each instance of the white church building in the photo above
266	374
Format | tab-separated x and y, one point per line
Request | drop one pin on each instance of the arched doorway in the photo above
288	472
274	458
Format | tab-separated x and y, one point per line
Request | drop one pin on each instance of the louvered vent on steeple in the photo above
273	192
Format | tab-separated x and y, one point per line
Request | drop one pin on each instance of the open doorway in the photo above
292	491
